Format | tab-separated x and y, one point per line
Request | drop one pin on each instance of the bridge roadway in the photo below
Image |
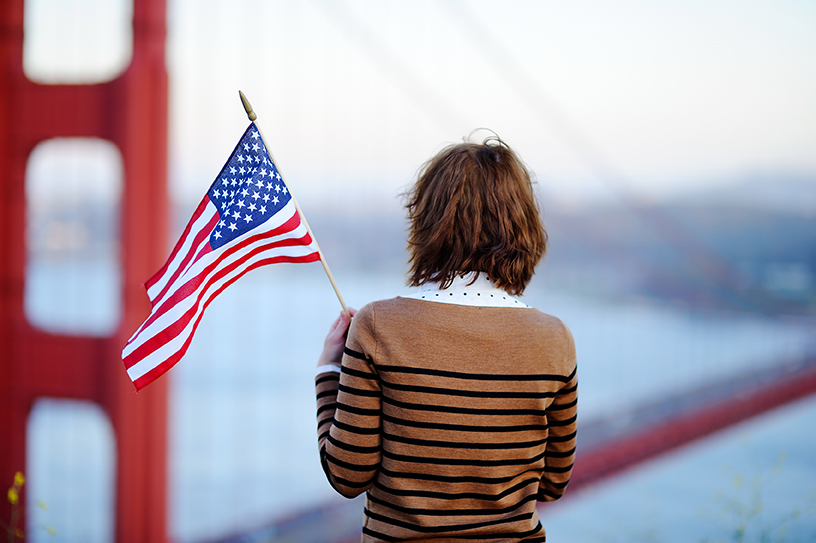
608	445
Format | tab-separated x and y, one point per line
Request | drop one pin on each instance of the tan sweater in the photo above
453	419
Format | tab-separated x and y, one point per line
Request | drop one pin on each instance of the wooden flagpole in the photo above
252	116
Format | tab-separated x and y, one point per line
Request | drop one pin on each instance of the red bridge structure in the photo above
130	112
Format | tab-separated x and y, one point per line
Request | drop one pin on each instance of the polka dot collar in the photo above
482	293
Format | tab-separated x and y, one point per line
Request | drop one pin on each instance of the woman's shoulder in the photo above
546	319
404	307
556	329
372	309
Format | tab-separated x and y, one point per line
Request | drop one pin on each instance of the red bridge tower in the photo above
130	112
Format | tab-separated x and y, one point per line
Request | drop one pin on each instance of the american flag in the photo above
247	219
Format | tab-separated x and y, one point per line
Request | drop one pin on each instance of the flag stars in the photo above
250	190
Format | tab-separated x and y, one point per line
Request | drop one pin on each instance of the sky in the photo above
644	99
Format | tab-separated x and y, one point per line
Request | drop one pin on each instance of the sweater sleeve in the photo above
348	413
562	421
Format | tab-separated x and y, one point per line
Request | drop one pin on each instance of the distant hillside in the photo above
752	248
786	192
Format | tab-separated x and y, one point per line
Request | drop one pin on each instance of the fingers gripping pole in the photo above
252	116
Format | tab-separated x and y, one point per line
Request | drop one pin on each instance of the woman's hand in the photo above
336	339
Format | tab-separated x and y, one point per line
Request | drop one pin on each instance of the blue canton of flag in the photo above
248	191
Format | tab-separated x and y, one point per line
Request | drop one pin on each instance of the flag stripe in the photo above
200	246
201	225
160	302
152	374
277	225
290	233
174	343
169	341
177	317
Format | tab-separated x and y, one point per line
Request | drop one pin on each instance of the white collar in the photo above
482	293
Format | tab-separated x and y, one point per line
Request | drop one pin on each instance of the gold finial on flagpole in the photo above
252	117
247	107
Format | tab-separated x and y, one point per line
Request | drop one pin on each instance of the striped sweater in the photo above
454	420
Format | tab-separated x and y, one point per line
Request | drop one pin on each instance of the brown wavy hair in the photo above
472	208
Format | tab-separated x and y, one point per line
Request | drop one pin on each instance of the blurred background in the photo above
673	145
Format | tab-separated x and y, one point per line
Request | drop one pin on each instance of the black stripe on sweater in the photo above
565	422
464	427
349	465
447	478
440	529
358	410
358	392
515	536
450	512
359	374
327	376
464	410
475	376
460	461
356	429
326	407
463	445
354	448
560	407
456	495
465	393
356	354
560	454
562	439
